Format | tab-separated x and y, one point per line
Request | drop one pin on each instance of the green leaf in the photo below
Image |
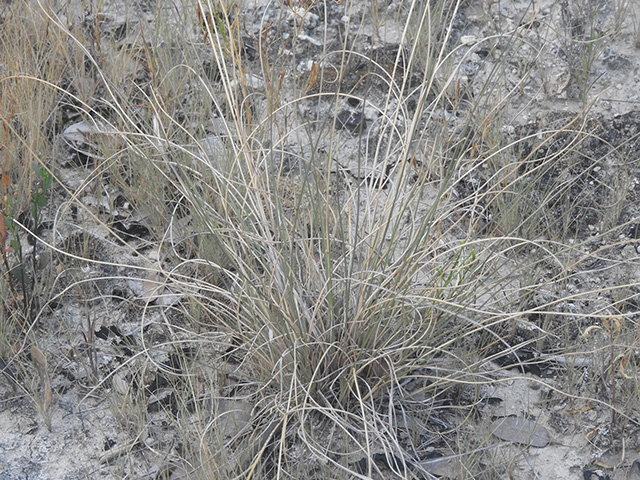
45	175
40	200
47	180
35	213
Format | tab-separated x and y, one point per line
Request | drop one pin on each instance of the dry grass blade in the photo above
44	403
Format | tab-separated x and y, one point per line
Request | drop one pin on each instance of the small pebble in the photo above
352	121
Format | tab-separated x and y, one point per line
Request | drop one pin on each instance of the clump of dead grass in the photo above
347	300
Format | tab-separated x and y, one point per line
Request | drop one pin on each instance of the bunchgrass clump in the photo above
337	247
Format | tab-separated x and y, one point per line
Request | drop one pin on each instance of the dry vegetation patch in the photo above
317	239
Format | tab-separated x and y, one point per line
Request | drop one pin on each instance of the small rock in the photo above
468	39
355	122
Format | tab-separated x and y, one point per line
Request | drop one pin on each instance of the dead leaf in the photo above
634	471
439	467
120	384
81	134
520	430
149	288
152	287
586	408
233	416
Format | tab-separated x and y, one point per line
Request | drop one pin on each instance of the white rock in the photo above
468	39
